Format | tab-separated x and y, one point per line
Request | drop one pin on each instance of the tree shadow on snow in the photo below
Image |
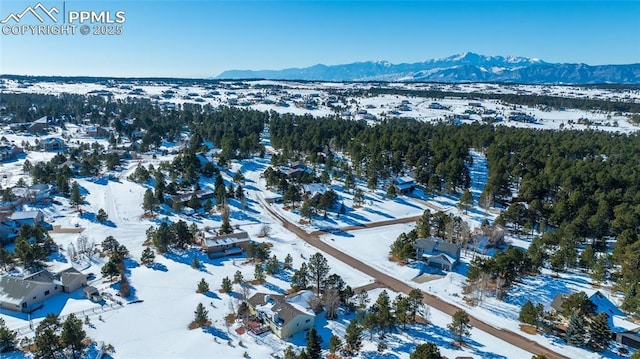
216	333
158	267
93	218
386	215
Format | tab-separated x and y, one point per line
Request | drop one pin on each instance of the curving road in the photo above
401	287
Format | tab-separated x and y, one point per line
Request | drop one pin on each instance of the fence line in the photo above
22	331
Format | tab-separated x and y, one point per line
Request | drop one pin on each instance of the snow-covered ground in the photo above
156	325
253	95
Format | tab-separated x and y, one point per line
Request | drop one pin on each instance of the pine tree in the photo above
148	256
288	262
195	263
460	327
76	197
149	201
599	333
415	302
303	355
335	343
201	316
402	310
575	334
370	323
102	216
314	342
382	309
7	337
466	200
227	287
237	277
318	269
289	353
111	268
47	338
392	192
203	286
299	279
528	313
426	351
353	337
72	335
358	198
423	226
258	273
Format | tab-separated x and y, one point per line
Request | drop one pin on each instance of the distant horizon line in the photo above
216	80
216	77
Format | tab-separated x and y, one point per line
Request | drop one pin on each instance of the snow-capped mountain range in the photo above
466	67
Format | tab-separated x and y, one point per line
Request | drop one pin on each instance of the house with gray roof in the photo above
284	315
32	218
53	144
226	244
438	253
25	294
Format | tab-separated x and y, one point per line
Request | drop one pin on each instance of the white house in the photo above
284	315
25	294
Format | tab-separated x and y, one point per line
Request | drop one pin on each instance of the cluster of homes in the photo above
284	315
10	225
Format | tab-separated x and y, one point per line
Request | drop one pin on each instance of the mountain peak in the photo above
467	66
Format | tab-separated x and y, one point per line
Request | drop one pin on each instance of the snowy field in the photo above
153	322
251	94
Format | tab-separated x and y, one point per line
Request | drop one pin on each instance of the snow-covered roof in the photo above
314	189
226	239
404	180
21	215
619	324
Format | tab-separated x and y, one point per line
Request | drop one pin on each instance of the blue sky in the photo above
204	38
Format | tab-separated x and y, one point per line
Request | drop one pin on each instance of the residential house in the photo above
97	131
53	144
8	232
437	106
629	337
9	152
39	126
74	166
226	244
404	184
438	253
92	293
623	331
24	294
39	193
296	169
521	117
201	195
313	190
32	218
284	315
71	279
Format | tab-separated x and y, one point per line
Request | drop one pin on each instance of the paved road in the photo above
401	287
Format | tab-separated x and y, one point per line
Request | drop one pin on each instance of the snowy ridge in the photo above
463	67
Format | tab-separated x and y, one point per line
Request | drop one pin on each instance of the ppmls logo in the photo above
34	11
40	20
